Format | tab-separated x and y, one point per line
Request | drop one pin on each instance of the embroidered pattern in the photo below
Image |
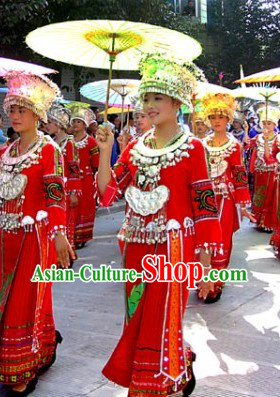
202	197
74	170
94	150
54	189
240	176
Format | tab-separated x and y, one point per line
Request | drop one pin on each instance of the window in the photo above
195	8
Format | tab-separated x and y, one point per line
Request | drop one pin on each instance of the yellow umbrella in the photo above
102	43
117	110
266	76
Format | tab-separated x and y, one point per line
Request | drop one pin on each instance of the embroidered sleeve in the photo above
94	155
120	180
240	179
54	189
73	184
204	208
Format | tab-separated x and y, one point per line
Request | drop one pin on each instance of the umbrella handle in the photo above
112	58
193	113
122	112
127	120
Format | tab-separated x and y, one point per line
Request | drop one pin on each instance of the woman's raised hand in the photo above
105	138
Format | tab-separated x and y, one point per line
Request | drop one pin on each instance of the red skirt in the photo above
275	239
229	224
138	360
26	307
71	220
263	196
85	211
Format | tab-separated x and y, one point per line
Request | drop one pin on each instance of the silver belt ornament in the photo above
146	203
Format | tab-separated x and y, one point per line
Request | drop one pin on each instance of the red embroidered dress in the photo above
32	209
72	183
171	210
89	160
263	182
230	182
274	160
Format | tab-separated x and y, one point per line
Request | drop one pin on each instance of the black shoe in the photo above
29	389
58	340
80	245
210	300
190	386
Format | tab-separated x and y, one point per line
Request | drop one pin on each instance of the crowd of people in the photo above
185	193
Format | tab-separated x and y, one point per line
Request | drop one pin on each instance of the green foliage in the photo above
246	32
240	31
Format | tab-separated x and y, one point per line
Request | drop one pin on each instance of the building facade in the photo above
195	8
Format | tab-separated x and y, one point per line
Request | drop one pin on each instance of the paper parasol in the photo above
261	93
119	95
120	91
258	93
267	76
203	89
7	65
102	43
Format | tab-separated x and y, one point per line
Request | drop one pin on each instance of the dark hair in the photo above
1	117
94	108
113	117
129	116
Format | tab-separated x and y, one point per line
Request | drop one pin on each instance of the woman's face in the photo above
218	122
52	128
160	108
236	125
117	122
269	126
22	119
142	122
78	126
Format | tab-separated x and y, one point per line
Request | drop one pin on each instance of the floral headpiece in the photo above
60	116
219	104
165	76
270	114
81	111
36	93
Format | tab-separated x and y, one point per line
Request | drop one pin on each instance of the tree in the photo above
248	33
22	17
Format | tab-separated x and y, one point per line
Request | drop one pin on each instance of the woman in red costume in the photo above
165	215
272	157
58	122
227	171
264	173
32	227
81	117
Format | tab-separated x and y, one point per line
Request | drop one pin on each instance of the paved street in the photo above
236	339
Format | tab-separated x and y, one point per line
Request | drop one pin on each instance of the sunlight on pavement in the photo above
197	334
259	252
269	319
238	367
